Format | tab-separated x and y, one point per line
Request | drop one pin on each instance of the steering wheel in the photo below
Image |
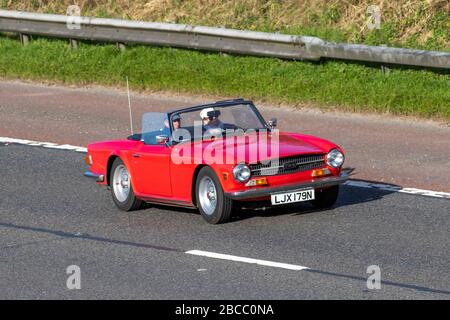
214	132
231	126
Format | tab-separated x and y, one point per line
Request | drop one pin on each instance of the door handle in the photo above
136	155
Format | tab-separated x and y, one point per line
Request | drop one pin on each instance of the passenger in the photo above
210	119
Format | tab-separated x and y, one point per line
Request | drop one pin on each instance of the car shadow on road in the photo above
357	192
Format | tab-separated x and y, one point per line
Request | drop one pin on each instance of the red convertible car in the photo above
216	157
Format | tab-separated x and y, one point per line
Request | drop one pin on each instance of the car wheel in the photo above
214	206
121	188
326	198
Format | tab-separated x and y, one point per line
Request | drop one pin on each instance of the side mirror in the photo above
162	139
272	123
135	137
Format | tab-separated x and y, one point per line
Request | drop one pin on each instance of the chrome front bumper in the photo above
97	177
267	191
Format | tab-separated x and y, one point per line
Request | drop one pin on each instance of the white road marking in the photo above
391	188
427	193
43	144
246	260
352	183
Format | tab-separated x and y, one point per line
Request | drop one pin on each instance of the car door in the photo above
151	170
150	158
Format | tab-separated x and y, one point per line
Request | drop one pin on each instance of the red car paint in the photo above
156	178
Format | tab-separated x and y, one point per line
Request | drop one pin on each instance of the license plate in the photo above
290	197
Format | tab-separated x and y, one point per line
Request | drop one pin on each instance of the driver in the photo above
210	119
176	122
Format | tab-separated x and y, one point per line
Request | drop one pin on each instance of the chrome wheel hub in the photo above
207	195
121	183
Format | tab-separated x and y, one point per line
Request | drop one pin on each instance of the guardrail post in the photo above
385	70
121	46
73	43
24	39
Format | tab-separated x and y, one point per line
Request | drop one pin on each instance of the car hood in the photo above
258	148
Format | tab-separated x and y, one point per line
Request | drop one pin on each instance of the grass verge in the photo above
348	87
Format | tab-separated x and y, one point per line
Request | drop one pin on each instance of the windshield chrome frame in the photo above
226	104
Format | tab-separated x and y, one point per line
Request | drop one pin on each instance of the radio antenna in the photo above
129	107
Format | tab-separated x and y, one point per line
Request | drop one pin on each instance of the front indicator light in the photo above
88	160
320	172
257	182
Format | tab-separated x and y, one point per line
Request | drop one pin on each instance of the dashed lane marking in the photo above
246	260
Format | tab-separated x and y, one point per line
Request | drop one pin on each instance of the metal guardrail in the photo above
213	39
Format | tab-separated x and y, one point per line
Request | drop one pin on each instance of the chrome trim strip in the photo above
168	202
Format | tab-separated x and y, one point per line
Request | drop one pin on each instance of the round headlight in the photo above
241	172
335	158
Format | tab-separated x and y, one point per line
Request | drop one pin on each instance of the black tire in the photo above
326	198
131	202
224	206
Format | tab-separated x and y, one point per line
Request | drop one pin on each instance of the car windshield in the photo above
224	118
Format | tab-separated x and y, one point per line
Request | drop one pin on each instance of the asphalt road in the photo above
384	149
52	217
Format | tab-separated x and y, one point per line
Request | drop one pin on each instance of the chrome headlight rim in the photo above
334	155
238	171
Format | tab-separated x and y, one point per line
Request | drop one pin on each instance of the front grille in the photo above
288	165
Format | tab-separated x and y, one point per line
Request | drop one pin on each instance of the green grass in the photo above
349	87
